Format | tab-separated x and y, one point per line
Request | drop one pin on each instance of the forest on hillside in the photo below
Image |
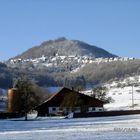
90	73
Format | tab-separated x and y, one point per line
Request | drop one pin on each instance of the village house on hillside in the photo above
67	101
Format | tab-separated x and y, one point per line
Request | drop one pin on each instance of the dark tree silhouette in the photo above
31	94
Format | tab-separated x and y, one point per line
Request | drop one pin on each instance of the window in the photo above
93	108
54	109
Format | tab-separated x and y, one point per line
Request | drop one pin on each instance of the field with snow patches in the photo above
101	128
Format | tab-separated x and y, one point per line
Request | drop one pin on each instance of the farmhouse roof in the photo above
65	90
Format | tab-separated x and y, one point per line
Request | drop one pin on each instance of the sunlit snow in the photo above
103	128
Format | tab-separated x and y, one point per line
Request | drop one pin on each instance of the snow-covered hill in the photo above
125	93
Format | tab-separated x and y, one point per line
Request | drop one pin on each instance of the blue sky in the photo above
113	25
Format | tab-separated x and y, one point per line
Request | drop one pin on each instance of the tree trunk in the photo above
26	118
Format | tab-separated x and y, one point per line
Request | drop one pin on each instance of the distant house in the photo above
66	101
3	105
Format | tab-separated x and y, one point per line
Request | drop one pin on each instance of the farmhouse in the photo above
67	101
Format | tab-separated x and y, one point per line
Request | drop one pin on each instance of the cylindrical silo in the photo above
14	101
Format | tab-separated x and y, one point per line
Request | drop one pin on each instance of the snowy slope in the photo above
104	128
125	95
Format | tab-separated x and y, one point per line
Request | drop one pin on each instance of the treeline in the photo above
108	71
91	73
99	73
5	76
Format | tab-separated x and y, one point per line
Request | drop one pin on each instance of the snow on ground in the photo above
122	95
123	98
100	128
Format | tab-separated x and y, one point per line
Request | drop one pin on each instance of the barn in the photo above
67	101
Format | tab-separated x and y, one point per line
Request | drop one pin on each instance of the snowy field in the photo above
122	96
101	128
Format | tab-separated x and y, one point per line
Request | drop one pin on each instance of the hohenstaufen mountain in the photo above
70	63
65	47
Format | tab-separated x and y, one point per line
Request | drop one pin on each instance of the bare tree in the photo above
101	94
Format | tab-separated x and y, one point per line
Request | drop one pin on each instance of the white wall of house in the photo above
53	110
95	109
